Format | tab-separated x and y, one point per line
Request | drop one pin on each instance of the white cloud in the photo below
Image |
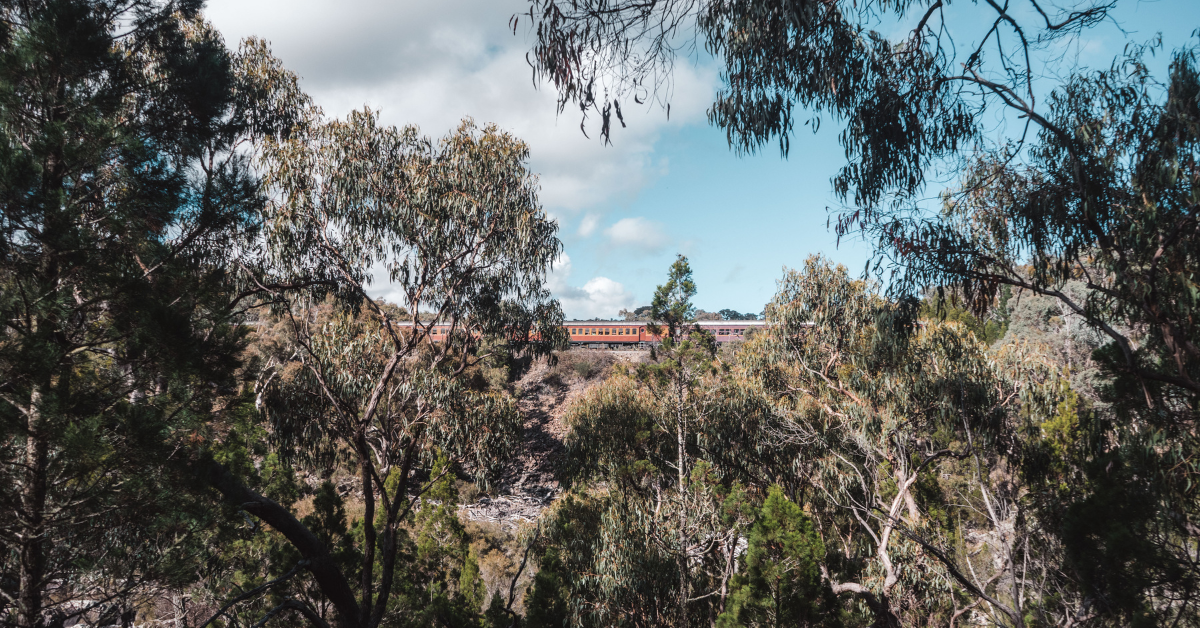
639	235
432	63
600	297
588	225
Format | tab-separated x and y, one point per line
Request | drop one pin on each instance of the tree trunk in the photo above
680	432
367	578
33	511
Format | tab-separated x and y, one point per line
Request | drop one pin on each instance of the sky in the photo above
664	186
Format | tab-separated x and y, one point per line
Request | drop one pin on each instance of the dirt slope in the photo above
531	481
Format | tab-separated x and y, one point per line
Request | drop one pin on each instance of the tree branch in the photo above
328	575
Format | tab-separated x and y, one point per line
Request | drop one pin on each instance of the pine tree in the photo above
122	208
782	584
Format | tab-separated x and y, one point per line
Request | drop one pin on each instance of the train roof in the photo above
700	323
627	323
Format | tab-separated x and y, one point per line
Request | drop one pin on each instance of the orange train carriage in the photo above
632	335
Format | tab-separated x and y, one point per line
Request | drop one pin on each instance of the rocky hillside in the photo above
531	482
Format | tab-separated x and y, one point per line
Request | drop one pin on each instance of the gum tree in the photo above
455	229
909	83
676	443
879	414
1103	221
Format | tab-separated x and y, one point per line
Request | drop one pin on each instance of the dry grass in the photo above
579	365
500	551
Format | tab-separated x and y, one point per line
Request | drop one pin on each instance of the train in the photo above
633	335
617	335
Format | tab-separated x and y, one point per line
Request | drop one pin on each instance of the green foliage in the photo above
782	584
677	443
734	315
672	303
604	566
583	369
128	215
496	615
328	522
1093	228
988	330
880	413
470	584
546	600
909	83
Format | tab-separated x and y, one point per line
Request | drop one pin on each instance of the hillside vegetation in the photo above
207	420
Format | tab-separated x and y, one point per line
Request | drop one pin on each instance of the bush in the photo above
583	369
579	364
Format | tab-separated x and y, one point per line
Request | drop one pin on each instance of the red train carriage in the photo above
631	335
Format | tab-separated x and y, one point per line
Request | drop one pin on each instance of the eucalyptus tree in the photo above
1104	221
910	82
126	209
456	230
899	433
676	444
650	549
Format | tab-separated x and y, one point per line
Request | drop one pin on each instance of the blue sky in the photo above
664	186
